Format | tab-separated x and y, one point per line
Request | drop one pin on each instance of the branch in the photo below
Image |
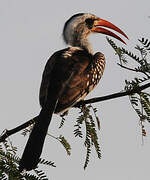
8	133
81	103
130	69
135	70
113	96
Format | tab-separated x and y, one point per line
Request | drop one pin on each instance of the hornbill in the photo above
69	75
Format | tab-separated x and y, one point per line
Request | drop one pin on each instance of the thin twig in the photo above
135	70
53	136
130	69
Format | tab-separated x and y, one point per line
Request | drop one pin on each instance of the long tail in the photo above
34	146
57	84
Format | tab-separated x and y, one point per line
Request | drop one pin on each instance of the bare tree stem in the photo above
8	133
130	69
113	96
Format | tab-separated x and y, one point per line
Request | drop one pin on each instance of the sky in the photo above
30	32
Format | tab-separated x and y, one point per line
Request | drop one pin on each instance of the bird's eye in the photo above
89	22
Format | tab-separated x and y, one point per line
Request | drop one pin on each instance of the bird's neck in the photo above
82	42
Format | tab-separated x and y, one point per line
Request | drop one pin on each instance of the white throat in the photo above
77	38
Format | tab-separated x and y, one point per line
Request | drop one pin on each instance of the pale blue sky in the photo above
30	31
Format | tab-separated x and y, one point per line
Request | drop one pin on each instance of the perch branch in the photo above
8	133
113	96
81	103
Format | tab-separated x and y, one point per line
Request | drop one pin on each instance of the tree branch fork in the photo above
138	89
